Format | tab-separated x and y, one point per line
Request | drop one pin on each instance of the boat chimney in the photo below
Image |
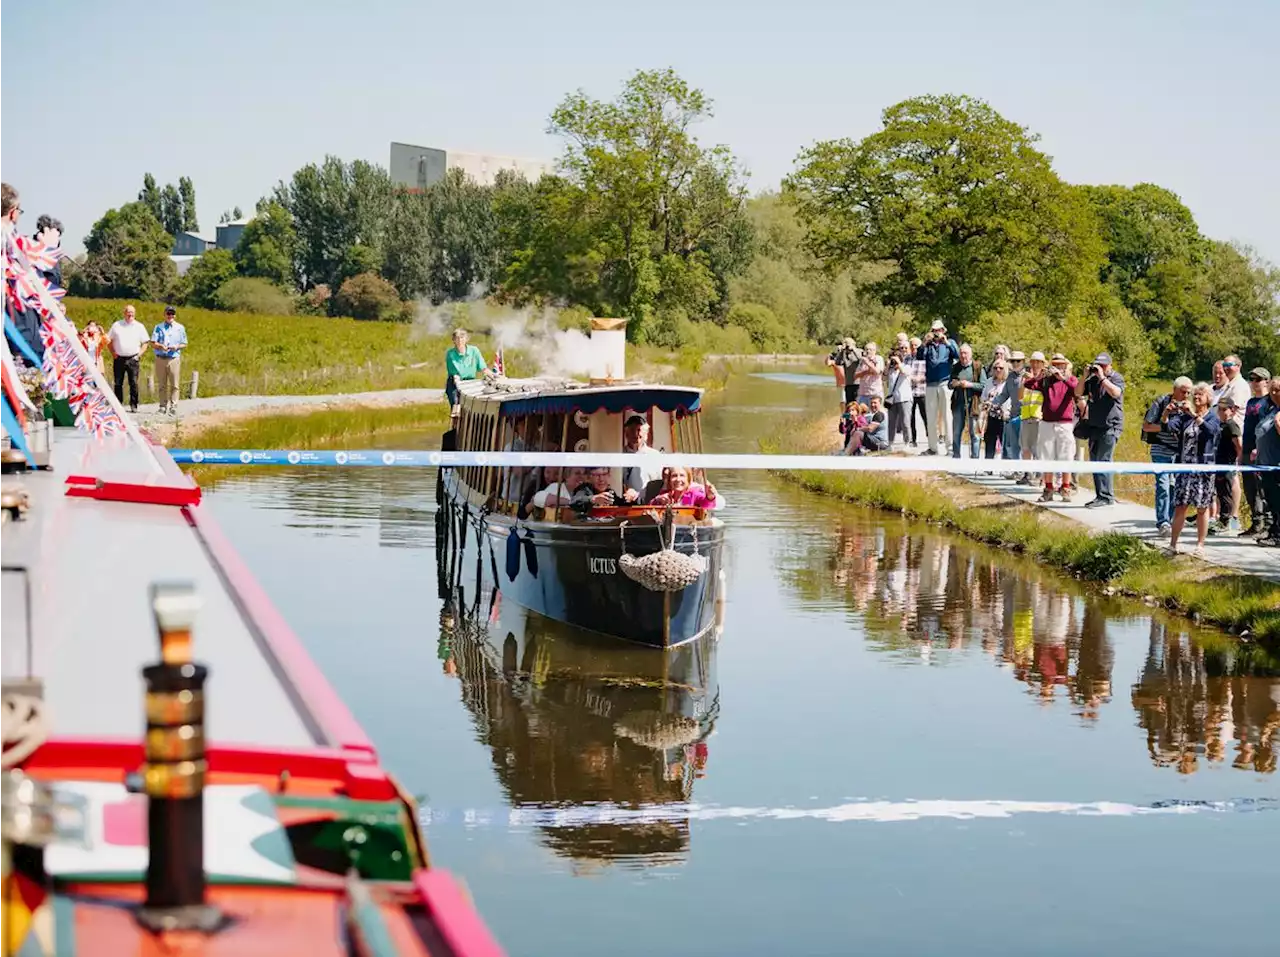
174	774
608	350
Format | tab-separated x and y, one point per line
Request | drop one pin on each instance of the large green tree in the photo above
127	255
958	199
149	196
206	275
187	191
335	206
642	216
266	247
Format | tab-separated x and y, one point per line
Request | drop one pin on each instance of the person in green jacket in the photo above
461	362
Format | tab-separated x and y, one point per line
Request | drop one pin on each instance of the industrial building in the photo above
418	167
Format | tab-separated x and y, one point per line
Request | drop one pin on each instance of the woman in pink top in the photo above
679	491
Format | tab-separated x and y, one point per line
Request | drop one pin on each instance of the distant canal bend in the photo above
902	742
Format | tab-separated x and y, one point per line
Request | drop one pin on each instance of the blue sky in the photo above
238	95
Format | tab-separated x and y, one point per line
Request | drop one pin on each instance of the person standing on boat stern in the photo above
1162	430
635	438
1104	388
167	341
127	338
937	351
1259	402
967	380
461	362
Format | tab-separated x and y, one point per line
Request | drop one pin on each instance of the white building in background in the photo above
418	167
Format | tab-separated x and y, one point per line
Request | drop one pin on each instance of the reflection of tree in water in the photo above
573	723
1194	704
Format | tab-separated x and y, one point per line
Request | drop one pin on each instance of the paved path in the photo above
1133	518
149	411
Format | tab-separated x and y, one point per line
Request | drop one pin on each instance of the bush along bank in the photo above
1121	564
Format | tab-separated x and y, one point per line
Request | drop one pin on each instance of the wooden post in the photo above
195	383
151	384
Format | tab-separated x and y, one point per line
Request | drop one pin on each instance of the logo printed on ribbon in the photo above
294	458
197	456
434	458
341	458
388	458
246	456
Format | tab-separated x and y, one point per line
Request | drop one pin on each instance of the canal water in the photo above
902	743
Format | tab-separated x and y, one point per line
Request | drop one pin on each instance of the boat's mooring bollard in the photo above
174	774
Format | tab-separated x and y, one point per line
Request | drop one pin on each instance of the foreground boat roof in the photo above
90	564
558	395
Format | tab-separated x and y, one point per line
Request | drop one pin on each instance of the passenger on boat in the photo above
679	491
597	493
560	493
461	362
635	438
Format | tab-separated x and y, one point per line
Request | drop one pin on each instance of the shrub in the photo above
207	275
369	296
767	332
315	301
253	295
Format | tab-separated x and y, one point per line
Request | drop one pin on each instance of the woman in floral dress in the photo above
1197	441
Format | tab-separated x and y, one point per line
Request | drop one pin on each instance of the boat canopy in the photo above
677	402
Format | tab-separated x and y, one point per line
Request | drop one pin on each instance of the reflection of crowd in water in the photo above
919	594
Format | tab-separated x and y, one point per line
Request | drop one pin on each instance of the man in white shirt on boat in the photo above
635	438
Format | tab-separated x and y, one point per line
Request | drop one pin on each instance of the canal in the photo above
902	743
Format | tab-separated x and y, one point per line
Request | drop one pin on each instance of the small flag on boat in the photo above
499	367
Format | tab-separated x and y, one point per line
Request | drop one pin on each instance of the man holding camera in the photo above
1162	430
1104	388
1057	420
846	358
938	352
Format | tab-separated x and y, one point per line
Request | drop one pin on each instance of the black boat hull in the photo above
571	573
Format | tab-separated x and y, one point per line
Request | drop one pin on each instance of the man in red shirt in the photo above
1056	440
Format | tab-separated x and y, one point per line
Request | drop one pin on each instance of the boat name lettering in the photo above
603	565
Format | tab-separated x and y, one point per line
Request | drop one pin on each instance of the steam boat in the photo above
644	573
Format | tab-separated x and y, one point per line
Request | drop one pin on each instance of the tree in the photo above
187	191
335	206
407	265
171	213
960	202
1242	297
230	216
266	246
461	236
149	196
127	255
207	274
642	214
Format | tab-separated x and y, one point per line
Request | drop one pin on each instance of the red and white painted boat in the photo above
138	819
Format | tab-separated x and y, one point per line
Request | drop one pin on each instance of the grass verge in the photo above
315	429
1121	563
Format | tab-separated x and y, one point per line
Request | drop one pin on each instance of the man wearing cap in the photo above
635	438
1259	382
1162	429
167	342
938	351
1057	443
1104	388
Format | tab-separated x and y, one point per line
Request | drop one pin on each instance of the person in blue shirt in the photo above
167	342
938	351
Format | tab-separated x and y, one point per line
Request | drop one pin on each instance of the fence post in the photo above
195	383
151	384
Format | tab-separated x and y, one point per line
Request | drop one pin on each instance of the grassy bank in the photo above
317	429
1120	563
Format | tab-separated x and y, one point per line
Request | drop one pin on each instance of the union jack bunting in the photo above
499	367
69	373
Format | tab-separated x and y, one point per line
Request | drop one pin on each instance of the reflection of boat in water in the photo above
573	718
646	574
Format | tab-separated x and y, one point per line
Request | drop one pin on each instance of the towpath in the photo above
1134	518
244	404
